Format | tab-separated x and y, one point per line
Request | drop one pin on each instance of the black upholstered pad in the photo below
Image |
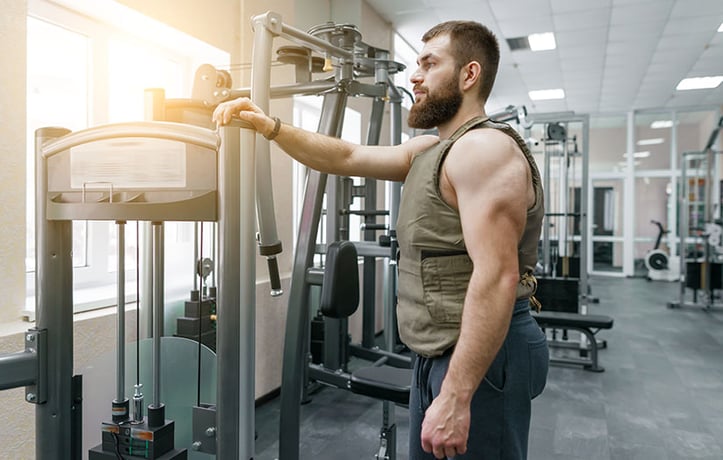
383	382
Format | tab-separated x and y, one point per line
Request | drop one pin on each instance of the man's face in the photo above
436	86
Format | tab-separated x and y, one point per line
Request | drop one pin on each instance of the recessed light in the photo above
655	141
547	94
644	154
720	29
699	83
660	124
542	42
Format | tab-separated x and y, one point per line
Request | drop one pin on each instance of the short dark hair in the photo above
471	41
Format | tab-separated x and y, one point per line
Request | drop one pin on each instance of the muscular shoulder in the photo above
419	144
486	150
486	161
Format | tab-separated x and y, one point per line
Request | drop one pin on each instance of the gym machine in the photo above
215	184
351	59
700	227
562	275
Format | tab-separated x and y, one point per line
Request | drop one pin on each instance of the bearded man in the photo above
468	228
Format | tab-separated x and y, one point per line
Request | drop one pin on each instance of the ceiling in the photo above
611	56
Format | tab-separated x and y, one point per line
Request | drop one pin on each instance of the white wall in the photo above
12	158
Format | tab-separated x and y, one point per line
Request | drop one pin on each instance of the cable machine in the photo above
700	227
562	140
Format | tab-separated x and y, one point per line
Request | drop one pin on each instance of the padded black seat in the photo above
572	320
383	382
588	325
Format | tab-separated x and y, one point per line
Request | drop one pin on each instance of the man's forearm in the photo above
317	151
485	321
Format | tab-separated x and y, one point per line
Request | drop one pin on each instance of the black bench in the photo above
589	325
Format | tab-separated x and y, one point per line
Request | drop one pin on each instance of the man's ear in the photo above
470	74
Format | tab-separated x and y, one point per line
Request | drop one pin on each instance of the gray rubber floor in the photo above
660	397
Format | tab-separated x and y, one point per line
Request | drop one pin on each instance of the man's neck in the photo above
463	115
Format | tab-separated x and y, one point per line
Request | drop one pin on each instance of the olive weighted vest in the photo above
434	268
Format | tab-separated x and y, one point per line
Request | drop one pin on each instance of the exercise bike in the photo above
660	265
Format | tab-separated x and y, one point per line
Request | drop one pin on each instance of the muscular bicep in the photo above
386	163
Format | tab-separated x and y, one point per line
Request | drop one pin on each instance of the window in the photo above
91	67
307	112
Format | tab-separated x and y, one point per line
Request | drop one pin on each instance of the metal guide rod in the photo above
194	271
121	317
563	198
546	221
158	309
54	313
584	208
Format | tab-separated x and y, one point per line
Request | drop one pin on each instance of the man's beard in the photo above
437	108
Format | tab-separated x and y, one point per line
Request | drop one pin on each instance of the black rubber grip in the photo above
274	277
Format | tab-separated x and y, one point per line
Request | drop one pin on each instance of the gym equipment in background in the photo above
699	227
661	266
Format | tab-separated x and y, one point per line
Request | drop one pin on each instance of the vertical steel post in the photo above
297	319
227	305
370	204
54	313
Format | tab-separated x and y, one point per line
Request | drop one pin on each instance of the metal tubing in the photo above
313	42
269	242
281	91
158	308
393	190
370	203
247	296
194	270
189	134
546	221
145	291
295	348
18	369
584	210
227	304
53	312
121	317
563	188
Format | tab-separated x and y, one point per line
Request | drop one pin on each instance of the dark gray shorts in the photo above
501	407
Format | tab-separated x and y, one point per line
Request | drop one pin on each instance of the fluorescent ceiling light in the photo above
644	154
699	83
660	124
542	42
655	141
547	94
720	29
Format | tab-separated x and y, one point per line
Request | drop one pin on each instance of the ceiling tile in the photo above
691	8
565	6
525	26
636	13
607	50
588	37
504	9
582	20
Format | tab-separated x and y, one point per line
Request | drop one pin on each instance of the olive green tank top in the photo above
434	268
